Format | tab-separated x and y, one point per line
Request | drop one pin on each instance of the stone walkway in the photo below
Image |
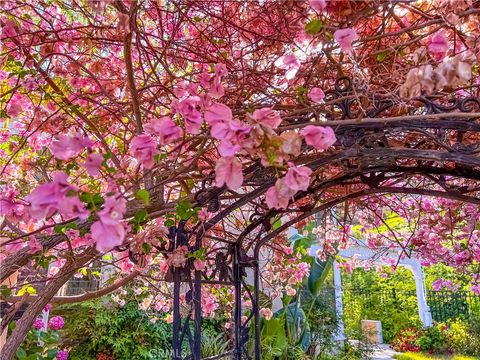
384	352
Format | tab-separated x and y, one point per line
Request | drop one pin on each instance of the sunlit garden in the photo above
222	179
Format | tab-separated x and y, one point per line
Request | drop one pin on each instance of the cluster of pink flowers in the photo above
62	355
56	323
435	230
38	324
109	231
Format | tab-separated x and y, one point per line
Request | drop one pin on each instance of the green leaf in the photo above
144	195
313	26
298	324
184	210
21	353
277	224
318	274
381	57
140	215
51	353
273	334
5	291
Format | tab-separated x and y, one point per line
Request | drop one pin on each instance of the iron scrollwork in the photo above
367	151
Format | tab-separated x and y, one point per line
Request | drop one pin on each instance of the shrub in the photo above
434	339
417	356
407	340
98	330
464	336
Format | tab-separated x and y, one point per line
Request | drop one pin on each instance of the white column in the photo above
337	281
423	308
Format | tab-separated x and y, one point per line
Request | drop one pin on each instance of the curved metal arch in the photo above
370	154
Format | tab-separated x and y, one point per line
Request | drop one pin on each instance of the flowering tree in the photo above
123	119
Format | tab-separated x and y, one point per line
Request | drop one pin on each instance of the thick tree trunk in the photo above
36	307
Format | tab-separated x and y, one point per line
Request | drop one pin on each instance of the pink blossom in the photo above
267	313
166	129
144	148
216	89
93	162
289	63
218	113
279	195
169	318
267	116
345	38
199	264
220	70
438	46
319	5
319	137
30	84
64	147
209	305
475	289
48	198
108	231
62	355
107	236
38	324
163	267
14	109
230	132
34	245
228	171
8	29
11	208
56	323
192	117
180	89
204	214
298	178
437	285
178	257
316	94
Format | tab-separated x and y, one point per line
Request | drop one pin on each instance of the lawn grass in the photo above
421	356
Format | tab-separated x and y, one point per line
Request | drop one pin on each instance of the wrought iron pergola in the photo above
384	146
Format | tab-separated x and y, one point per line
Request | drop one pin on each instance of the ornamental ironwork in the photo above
384	145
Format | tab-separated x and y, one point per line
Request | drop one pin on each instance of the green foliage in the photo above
434	339
418	356
464	336
38	345
98	327
213	344
273	338
143	195
318	274
125	333
313	27
347	352
391	300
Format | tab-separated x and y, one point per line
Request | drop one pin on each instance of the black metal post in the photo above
177	346
197	304
237	352
256	311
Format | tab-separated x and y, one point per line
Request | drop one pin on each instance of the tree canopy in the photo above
122	118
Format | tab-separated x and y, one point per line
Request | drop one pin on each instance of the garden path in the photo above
383	352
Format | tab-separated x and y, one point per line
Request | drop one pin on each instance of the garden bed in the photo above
423	356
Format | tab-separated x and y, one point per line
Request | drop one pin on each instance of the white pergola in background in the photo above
364	253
